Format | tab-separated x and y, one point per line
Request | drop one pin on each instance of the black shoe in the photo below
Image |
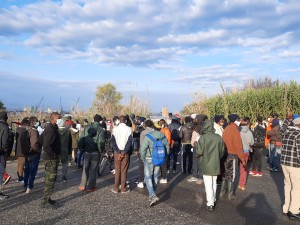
64	178
49	206
3	196
210	208
293	216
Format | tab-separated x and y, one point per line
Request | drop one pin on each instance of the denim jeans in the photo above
30	170
2	169
274	158
151	176
90	169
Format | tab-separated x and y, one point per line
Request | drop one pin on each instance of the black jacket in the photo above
4	138
185	133
50	139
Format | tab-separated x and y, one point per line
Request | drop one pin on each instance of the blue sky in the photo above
164	51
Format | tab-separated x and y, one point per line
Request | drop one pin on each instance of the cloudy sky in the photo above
164	50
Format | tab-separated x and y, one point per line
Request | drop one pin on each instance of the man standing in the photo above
233	142
151	171
4	148
93	144
210	148
175	143
32	158
185	134
121	143
290	161
52	148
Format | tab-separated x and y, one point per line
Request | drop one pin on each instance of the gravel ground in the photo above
180	202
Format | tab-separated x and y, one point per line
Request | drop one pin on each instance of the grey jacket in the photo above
247	138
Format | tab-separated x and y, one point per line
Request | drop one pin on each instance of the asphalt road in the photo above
180	202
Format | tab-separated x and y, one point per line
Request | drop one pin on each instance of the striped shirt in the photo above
290	145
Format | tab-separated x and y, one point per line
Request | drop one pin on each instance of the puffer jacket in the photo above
75	137
4	138
147	145
185	133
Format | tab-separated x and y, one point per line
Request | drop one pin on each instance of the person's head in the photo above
3	116
25	121
174	119
162	123
85	122
260	120
73	125
296	122
123	119
245	121
156	126
275	122
275	115
148	123
97	118
234	118
188	119
54	116
116	120
219	119
170	115
34	122
69	118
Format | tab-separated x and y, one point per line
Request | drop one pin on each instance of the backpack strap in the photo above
151	137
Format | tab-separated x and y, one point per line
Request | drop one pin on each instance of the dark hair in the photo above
32	120
25	121
148	123
73	125
187	119
259	119
97	118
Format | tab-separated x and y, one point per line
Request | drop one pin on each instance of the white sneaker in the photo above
140	185
113	171
192	179
163	181
28	191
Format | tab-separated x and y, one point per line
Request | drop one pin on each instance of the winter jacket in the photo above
210	147
259	135
66	142
4	138
247	138
50	140
274	134
35	147
174	129
19	131
99	137
75	137
144	133
121	138
195	137
233	141
147	145
167	134
185	133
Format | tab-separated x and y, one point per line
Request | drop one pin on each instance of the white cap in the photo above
193	116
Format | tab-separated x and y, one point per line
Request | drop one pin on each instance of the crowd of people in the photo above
213	151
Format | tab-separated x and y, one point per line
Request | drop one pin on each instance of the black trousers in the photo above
186	154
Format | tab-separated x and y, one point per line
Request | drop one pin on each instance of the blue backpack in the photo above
158	151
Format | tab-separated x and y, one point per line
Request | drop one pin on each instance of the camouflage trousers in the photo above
50	178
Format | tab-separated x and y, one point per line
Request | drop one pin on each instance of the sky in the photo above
163	51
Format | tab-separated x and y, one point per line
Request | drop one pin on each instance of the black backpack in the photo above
24	140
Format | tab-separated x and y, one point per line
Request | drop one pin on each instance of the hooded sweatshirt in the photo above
147	145
247	138
211	149
66	141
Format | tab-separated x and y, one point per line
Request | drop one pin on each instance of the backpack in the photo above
158	151
24	140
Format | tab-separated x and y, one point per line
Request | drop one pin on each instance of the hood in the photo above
245	129
208	127
158	135
62	131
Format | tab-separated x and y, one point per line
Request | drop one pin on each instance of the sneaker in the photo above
163	181
70	164
243	188
168	171
140	185
81	188
113	171
113	191
6	180
125	192
3	196
199	181
258	174
28	191
252	172
192	179
178	163
153	201
174	171
92	189
274	170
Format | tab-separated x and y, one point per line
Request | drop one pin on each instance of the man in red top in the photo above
234	148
